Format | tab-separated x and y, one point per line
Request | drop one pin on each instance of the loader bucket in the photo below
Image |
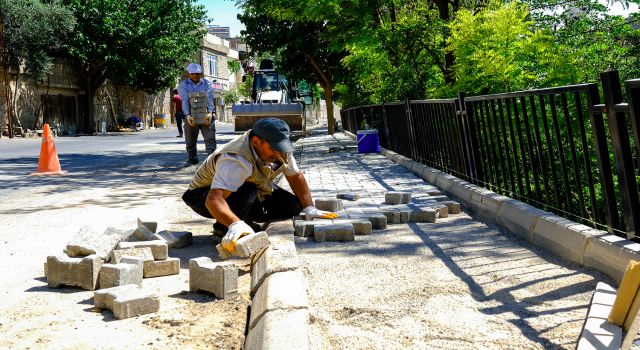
245	114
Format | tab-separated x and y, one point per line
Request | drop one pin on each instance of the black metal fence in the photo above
552	148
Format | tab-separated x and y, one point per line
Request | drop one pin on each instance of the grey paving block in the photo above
86	242
442	210
280	291
392	214
397	197
144	253
329	204
434	192
157	268
159	248
70	271
424	215
350	196
141	233
454	207
334	233
176	239
378	220
277	258
305	228
280	330
251	244
128	271
360	226
126	301
220	278
151	225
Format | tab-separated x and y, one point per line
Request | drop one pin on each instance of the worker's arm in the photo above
218	207
300	188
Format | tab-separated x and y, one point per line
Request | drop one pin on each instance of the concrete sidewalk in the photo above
457	283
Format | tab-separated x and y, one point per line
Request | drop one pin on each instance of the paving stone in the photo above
440	198
424	215
220	278
280	291
157	268
443	210
159	248
126	301
397	197
378	220
305	228
176	239
87	242
248	245
151	225
141	233
454	207
144	253
351	196
329	204
434	192
80	272
128	271
334	233
277	258
392	214
360	226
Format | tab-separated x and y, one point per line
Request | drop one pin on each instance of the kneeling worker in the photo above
235	185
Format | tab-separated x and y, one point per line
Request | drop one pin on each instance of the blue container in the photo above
368	141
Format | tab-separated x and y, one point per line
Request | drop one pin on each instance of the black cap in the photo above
276	132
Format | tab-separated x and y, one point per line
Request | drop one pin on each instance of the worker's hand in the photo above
312	212
236	230
207	119
191	120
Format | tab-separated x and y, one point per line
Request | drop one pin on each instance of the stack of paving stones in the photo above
198	103
115	262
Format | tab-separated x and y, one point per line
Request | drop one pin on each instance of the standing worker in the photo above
176	106
235	185
198	91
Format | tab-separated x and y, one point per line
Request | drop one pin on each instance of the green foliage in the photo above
32	32
244	89
141	43
499	49
230	97
234	66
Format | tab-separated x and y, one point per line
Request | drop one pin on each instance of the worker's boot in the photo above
190	162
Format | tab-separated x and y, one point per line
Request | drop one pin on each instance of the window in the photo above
213	65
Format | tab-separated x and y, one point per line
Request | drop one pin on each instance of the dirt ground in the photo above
38	216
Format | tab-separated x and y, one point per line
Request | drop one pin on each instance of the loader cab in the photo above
269	86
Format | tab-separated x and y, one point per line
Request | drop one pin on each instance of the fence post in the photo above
386	128
471	152
412	138
621	150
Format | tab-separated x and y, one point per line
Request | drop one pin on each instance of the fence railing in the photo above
552	148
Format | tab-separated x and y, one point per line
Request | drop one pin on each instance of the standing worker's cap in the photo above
276	132
194	68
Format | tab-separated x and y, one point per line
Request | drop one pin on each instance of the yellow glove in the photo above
207	119
312	212
236	230
190	120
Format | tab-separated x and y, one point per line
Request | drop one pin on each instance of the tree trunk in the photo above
328	98
326	80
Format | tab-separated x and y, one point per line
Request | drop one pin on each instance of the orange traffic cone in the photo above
49	163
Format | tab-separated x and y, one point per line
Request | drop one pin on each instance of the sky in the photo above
224	14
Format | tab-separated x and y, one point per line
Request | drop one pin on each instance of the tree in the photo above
140	43
303	44
31	31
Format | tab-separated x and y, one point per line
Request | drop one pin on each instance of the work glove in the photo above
207	119
236	230
312	212
190	120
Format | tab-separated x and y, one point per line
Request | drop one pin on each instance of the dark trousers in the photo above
179	117
191	138
244	203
